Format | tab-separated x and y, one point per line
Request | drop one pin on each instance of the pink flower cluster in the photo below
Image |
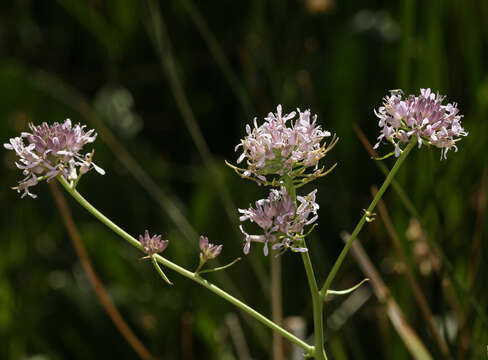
276	148
423	117
52	150
283	223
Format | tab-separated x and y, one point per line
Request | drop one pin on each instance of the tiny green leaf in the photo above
347	291
220	268
160	271
384	157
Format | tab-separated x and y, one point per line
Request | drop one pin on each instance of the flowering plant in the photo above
423	117
52	150
283	223
279	153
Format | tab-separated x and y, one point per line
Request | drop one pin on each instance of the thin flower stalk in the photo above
308	206
318	308
182	271
208	251
369	210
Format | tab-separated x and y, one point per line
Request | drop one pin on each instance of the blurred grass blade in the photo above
93	277
70	97
158	33
94	23
461	290
409	272
411	340
219	55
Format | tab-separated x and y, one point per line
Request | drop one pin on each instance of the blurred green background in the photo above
169	88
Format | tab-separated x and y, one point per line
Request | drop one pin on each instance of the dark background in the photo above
105	64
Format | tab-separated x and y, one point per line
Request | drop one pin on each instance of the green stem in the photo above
160	271
370	209
317	296
318	308
217	268
290	188
200	265
182	271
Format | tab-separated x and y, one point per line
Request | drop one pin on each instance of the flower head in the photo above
283	144
281	221
423	117
52	150
208	251
152	245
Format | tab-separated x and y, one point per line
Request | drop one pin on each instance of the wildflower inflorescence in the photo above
281	221
423	117
152	244
52	150
283	146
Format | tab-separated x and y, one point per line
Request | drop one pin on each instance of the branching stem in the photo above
182	271
369	210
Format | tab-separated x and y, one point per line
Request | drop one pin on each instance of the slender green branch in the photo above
384	157
369	210
160	271
219	268
290	188
317	296
182	271
345	292
318	308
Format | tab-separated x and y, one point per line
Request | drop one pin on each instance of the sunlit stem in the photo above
318	308
317	296
369	210
184	272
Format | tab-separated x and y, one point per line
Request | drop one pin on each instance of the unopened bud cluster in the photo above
208	251
152	244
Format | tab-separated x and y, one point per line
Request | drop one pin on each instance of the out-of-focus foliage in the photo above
96	61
